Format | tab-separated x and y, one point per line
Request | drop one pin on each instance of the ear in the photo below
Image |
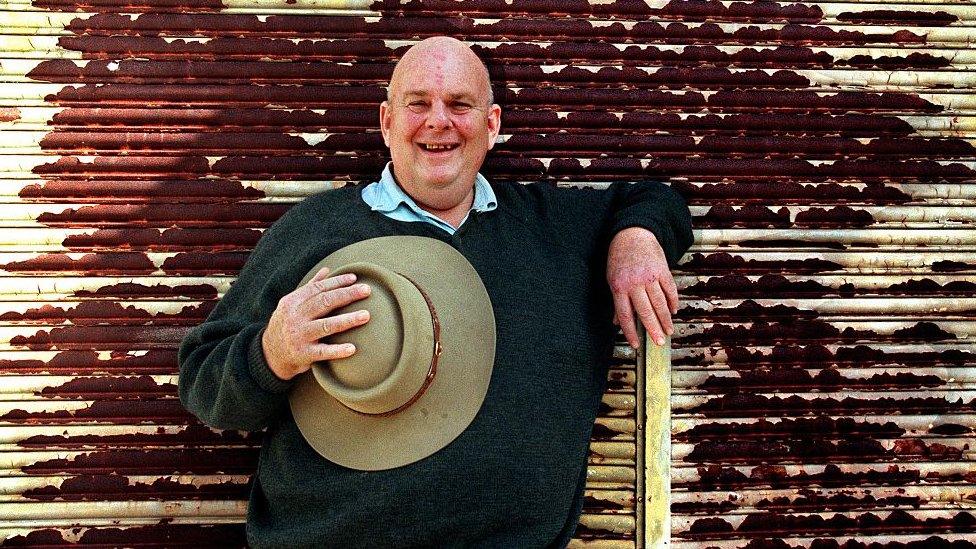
386	118
494	124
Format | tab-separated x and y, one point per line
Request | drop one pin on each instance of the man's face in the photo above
438	125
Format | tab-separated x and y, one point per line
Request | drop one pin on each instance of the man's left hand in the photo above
641	282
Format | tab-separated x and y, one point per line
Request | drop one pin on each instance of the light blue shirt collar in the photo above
386	196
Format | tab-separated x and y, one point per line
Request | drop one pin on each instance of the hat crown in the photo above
394	350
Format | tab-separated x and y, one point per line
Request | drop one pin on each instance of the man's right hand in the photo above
291	340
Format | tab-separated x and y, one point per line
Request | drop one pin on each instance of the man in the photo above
515	477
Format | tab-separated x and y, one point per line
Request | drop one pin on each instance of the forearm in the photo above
657	208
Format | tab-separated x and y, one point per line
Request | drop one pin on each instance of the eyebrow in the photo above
453	96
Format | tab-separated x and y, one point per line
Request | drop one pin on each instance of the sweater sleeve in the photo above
586	219
655	207
224	378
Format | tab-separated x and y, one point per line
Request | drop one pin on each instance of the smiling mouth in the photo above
433	147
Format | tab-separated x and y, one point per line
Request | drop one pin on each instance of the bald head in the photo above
446	50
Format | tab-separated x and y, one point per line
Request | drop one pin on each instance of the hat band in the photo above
431	371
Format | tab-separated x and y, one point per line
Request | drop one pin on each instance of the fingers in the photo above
331	325
326	351
652	305
661	308
625	316
645	311
323	272
670	292
333	295
321	282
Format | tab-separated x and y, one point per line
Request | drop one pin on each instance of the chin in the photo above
440	181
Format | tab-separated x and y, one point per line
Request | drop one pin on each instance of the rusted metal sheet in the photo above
822	382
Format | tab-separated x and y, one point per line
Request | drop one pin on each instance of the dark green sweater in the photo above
515	477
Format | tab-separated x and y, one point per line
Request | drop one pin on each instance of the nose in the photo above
438	118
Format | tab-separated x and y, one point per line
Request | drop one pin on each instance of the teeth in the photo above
438	147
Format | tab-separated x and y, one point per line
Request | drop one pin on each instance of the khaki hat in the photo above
422	363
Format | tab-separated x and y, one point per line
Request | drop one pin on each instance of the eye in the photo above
417	106
461	107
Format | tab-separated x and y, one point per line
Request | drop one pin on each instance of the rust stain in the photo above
750	215
775	285
755	215
131	290
102	337
366	49
224	72
285	167
603	432
913	60
734	404
590	533
520	122
190	263
9	114
147	462
739	285
129	191
355	95
217	95
678	9
137	410
617	381
945	266
791	427
185	118
120	488
916	17
796	378
194	437
796	243
927	286
133	5
157	214
165	240
703	507
655	146
209	142
101	312
101	387
818	450
746	311
112	166
860	355
837	216
163	534
756	124
804	500
85	362
895	521
751	101
724	477
92	264
724	262
594	504
814	330
931	542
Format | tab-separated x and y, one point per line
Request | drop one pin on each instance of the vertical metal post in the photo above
655	489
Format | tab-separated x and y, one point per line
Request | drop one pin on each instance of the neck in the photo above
444	206
453	215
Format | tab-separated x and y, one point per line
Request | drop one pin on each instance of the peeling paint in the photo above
821	389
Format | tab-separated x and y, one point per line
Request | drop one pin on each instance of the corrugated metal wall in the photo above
823	380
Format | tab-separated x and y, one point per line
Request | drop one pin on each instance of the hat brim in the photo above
452	400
